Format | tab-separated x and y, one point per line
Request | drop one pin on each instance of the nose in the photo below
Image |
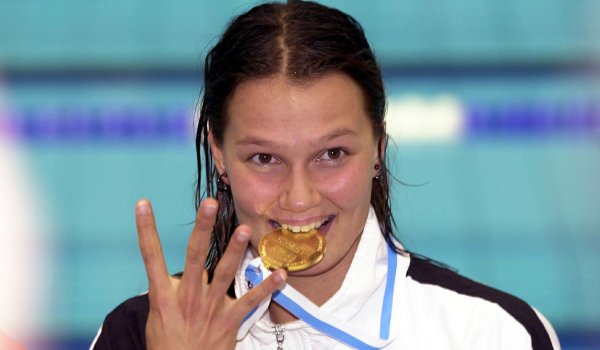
299	192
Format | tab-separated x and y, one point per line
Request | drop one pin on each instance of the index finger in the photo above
154	261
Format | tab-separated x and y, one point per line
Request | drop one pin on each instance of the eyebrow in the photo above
339	133
257	141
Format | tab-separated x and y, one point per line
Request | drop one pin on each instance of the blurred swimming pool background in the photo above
494	112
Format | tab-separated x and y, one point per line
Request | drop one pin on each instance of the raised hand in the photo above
191	313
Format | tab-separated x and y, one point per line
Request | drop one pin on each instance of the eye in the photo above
264	159
332	154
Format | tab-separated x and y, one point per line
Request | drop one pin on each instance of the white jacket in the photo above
426	307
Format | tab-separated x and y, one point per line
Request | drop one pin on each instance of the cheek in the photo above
348	188
252	195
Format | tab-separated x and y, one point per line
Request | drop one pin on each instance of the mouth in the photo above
322	225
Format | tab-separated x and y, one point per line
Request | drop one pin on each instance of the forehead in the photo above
275	106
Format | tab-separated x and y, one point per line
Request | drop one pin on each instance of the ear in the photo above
217	154
382	146
379	154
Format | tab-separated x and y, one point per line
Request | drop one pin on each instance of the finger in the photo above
150	247
229	263
198	244
260	292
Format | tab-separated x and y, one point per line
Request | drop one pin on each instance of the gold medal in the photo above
291	251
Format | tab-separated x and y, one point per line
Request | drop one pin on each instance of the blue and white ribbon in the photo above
304	309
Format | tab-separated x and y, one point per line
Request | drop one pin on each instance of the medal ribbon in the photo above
305	310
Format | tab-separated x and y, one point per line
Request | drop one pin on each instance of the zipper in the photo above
279	335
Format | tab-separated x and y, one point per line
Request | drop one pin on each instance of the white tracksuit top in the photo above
429	307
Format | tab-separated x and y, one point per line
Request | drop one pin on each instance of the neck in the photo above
317	288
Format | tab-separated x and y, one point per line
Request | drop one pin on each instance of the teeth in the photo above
304	228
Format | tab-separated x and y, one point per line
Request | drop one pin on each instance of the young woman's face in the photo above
300	155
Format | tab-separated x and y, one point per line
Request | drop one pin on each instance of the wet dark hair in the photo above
302	41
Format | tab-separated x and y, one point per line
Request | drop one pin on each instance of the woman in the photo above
291	138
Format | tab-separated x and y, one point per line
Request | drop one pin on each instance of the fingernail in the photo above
241	237
278	277
142	208
209	208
